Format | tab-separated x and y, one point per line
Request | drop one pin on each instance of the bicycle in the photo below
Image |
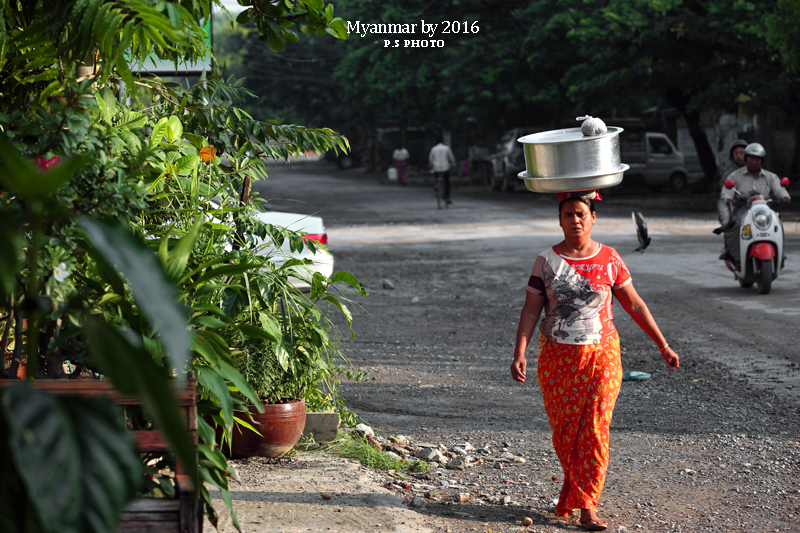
438	186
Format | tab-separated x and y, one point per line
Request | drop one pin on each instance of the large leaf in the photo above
151	289
212	381
111	469
20	175
258	333
133	372
45	454
227	270
187	164
132	120
213	349
107	103
271	325
159	131
131	141
104	268
178	257
348	278
175	130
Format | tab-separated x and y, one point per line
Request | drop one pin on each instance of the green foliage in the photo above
539	63
131	248
783	33
74	458
352	446
277	22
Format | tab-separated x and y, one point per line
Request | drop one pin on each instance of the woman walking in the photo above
579	370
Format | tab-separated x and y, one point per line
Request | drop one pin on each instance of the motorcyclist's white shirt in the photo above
767	184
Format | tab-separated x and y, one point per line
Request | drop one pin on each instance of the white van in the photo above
653	158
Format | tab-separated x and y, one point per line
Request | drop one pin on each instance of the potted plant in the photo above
294	363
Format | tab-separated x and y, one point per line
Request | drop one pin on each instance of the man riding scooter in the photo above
749	179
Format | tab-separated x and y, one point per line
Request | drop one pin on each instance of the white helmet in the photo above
756	150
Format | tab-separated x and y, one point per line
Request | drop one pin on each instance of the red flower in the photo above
45	164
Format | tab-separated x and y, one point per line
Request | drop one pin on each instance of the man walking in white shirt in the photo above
441	159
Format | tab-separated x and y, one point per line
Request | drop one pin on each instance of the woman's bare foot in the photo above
591	522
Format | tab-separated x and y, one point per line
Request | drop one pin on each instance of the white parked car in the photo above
314	230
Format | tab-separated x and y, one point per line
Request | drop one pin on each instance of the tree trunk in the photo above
244	200
704	152
794	169
244	197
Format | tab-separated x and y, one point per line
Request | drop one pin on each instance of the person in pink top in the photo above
579	370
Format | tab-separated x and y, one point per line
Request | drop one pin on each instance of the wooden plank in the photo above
185	391
149	526
150	441
152	505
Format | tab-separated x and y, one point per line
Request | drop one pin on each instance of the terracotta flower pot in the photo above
281	426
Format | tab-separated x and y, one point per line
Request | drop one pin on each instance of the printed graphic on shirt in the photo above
578	291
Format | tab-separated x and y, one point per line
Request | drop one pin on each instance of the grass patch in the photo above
351	446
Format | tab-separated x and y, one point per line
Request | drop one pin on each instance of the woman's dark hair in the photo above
588	201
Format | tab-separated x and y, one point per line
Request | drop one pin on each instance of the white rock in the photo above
431	455
365	430
458	450
459	463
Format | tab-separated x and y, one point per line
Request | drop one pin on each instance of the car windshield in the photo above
659	146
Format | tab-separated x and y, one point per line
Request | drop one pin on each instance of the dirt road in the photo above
713	446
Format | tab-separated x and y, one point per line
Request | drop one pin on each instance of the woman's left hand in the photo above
672	359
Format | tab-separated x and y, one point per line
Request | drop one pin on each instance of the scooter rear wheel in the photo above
745	284
765	283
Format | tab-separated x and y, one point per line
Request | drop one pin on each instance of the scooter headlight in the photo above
762	219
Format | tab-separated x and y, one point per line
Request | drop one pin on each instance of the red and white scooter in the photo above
760	242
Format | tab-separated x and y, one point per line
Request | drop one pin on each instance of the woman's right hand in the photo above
672	359
518	369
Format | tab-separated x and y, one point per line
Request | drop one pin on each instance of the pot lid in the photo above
570	135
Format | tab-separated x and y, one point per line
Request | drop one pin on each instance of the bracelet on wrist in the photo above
663	348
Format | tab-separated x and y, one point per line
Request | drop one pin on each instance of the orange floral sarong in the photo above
580	384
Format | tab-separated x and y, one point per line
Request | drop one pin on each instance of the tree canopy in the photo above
537	63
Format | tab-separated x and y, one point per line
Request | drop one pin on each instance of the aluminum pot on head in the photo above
566	160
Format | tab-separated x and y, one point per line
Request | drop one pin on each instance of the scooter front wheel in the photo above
765	280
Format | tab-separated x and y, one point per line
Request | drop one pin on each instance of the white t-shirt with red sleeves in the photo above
578	291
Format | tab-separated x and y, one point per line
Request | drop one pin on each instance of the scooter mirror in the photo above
730	184
785	182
